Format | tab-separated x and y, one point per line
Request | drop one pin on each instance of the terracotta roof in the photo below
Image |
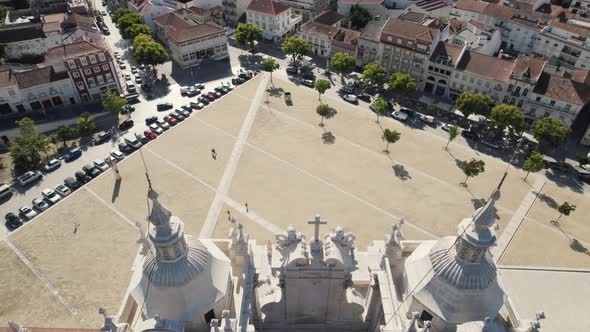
11	33
76	49
563	89
486	66
183	29
581	76
475	6
267	7
38	76
456	26
498	11
6	79
413	17
138	4
447	50
76	21
346	38
314	28
571	27
528	66
328	17
58	17
199	10
408	30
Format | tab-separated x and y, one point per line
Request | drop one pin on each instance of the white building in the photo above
308	8
566	44
274	18
581	7
478	37
319	31
190	39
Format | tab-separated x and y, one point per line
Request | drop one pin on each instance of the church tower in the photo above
461	283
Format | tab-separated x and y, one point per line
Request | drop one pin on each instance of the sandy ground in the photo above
286	174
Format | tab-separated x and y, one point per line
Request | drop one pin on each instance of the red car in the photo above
173	122
209	96
149	134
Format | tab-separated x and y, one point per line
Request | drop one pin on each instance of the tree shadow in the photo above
565	180
250	61
460	163
116	190
577	246
331	113
549	201
401	172
275	92
328	138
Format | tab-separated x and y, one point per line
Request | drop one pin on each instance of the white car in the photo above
351	98
52	165
50	195
156	129
63	190
118	155
184	90
427	118
399	115
128	77
40	204
122	65
163	124
27	212
133	69
101	165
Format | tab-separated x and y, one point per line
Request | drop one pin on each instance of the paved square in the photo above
272	157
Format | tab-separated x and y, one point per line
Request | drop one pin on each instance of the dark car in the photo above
183	112
101	137
151	119
237	81
12	220
89	169
127	109
470	135
187	109
204	100
291	70
220	90
73	154
209	96
365	97
308	76
558	166
82	177
199	86
142	138
72	183
164	106
124	147
126	124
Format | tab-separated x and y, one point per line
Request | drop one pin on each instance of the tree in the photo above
403	84
248	34
379	105
295	47
128	20
550	132
473	103
150	53
323	110
140	39
374	74
86	125
507	117
65	133
472	168
390	136
534	163
453	133
342	63
28	146
120	12
321	86
565	208
113	103
269	64
359	16
135	30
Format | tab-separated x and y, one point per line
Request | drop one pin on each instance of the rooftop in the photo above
456	25
181	29
528	66
267	7
11	33
76	21
486	66
315	28
78	48
451	51
408	30
562	88
38	76
329	17
475	6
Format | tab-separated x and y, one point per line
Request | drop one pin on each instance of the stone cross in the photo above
317	222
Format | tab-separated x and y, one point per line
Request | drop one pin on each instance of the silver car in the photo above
40	204
27	212
63	190
50	195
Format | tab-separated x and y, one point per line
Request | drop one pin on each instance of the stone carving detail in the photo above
292	237
394	238
341	238
142	239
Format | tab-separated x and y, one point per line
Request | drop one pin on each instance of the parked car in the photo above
138	79
29	177
133	69
27	212
40	204
291	70
427	118
446	127
237	81
151	119
82	177
124	147
172	121
216	94
122	65
204	100
131	88
221	90
117	155
209	96
125	125
558	166
133	142
52	165
183	90
149	134
347	89
127	109
62	190
186	108
128	76
141	138
399	115
351	98
101	137
163	124
72	183
307	82
192	92
13	221
50	196
183	112
470	135
101	165
164	106
177	116
73	154
197	106
156	129
91	170
199	86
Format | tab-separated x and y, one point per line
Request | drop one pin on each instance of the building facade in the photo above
565	44
274	18
318	32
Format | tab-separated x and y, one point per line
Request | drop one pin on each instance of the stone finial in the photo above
395	237
342	238
415	317
214	325
427	325
485	217
142	239
159	215
226	320
108	323
487	325
290	238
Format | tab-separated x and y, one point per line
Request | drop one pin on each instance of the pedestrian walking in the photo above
76	226
247	208
213	154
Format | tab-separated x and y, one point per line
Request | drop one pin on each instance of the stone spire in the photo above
167	235
159	215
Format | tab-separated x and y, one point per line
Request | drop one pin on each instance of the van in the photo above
29	177
5	191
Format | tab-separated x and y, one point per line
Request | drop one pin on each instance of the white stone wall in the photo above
580	7
552	42
79	33
318	45
274	27
540	106
15	96
185	55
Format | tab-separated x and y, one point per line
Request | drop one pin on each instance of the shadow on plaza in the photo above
565	180
209	70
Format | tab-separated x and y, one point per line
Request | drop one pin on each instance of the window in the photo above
517	90
519	103
75	74
552	103
105	67
525	92
91	82
96	69
101	57
456	75
505	100
109	77
100	79
471	80
568	107
426	316
399	40
87	71
538	99
510	87
478	82
80	85
71	64
83	62
389	38
92	59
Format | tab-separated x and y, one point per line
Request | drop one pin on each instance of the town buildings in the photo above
581	7
274	18
320	30
191	37
23	40
308	8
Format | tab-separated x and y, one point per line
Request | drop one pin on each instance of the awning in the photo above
444	106
426	100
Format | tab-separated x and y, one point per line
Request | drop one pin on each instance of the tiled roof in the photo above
267	7
77	49
563	89
346	38
447	50
45	329
38	76
138	4
314	28
482	26
456	25
328	17
582	76
413	17
475	6
571	27
182	29
11	33
499	11
199	10
408	30
7	78
76	21
486	66
528	66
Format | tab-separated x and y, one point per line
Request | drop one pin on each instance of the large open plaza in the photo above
276	166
